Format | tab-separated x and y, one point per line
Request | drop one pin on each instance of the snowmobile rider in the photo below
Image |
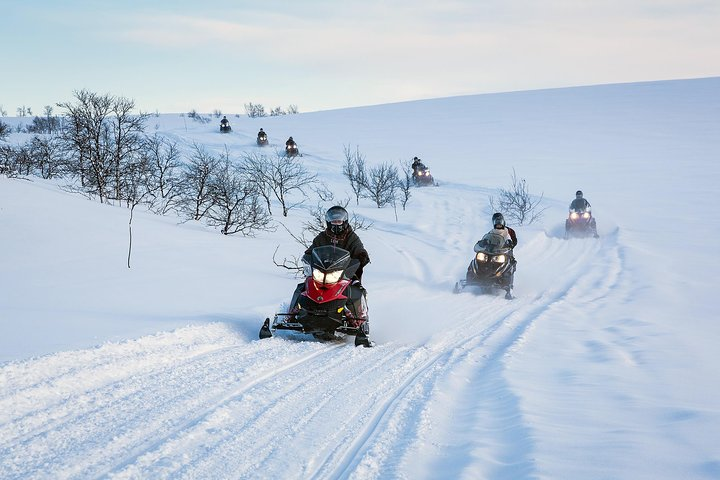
500	228
580	204
290	142
224	122
416	163
340	234
261	133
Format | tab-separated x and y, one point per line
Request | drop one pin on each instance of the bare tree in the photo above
279	177
4	130
164	182
127	137
405	184
7	161
516	203
47	156
255	110
104	138
236	205
292	109
197	198
354	170
382	185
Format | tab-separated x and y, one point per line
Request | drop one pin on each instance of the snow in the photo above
605	366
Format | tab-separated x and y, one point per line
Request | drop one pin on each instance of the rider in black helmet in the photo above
500	227
339	233
580	203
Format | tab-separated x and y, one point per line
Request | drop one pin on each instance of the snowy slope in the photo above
604	366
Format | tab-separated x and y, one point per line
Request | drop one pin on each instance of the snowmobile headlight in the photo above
481	257
333	277
499	259
318	275
329	278
586	215
574	216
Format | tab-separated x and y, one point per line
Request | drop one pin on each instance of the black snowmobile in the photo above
291	150
580	224
262	139
492	268
421	176
327	301
225	126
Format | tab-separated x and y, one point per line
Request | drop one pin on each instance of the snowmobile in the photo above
225	127
580	224
327	301
421	176
262	139
291	150
492	268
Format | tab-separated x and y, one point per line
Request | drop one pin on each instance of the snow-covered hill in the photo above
604	366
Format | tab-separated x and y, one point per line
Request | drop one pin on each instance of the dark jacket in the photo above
579	204
348	241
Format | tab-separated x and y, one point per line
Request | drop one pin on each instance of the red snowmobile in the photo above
328	301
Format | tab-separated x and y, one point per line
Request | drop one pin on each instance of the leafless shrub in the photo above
354	170
382	185
516	203
5	130
254	110
279	178
405	184
164	180
197	198
193	114
236	206
46	153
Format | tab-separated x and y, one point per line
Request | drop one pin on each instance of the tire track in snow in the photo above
513	325
159	403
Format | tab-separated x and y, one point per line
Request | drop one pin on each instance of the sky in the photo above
603	366
175	56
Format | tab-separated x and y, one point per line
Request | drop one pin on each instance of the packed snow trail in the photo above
204	402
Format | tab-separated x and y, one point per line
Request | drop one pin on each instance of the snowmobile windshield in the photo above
329	258
491	243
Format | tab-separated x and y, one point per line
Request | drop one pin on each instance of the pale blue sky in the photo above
174	56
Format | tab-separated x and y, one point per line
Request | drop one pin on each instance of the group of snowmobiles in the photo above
291	147
330	299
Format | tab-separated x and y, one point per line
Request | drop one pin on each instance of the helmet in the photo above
498	219
336	219
578	194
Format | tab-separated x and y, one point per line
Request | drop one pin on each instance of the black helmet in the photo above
498	219
336	219
578	194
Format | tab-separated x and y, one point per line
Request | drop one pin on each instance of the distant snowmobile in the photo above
421	176
291	150
492	268
580	224
326	302
225	126
262	139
